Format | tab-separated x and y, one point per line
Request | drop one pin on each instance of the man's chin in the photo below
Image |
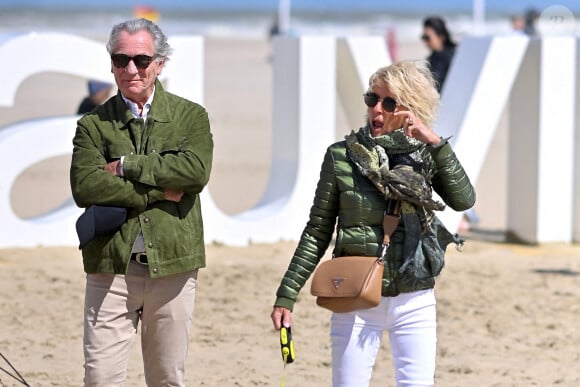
132	92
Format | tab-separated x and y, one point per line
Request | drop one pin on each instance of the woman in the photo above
438	40
402	101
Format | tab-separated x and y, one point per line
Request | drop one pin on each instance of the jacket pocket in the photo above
171	145
114	151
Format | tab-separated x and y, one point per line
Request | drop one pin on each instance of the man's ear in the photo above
160	67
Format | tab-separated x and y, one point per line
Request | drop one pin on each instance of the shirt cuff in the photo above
121	169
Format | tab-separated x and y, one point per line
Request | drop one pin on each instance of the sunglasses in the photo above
371	100
425	38
121	61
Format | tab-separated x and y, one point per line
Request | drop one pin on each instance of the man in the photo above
151	152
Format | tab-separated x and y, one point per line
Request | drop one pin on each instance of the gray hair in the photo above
160	45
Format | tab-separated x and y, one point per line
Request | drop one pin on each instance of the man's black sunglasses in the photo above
371	100
121	61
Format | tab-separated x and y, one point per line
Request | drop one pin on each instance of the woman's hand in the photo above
415	128
281	316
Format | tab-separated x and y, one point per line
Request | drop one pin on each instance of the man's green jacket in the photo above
173	150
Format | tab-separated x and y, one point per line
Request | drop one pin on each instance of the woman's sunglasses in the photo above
121	61
371	100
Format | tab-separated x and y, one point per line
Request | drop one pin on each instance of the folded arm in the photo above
186	169
91	184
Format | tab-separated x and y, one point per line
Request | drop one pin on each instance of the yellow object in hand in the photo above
287	345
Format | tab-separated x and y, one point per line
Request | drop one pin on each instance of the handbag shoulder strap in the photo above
390	222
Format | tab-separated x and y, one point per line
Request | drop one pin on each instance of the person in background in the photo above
392	44
531	18
438	40
148	151
518	24
98	93
274	28
352	196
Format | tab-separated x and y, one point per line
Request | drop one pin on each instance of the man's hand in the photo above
113	168
172	196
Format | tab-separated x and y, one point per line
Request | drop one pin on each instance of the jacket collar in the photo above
160	108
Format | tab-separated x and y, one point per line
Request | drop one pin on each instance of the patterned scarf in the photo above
403	182
425	235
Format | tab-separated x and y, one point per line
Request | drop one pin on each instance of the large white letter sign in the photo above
541	157
47	52
37	140
576	178
46	138
357	58
183	74
540	78
304	125
475	94
41	139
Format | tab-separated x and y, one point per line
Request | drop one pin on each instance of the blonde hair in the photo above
413	85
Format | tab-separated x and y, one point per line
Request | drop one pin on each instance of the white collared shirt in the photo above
134	107
139	245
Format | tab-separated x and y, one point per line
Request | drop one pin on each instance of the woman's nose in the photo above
378	108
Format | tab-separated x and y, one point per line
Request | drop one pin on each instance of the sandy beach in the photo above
507	317
507	313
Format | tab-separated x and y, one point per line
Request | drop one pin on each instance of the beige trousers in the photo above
114	304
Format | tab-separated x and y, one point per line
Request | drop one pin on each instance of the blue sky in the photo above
366	5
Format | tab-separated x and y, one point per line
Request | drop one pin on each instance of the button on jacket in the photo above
173	150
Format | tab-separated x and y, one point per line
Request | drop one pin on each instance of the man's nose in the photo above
131	68
378	107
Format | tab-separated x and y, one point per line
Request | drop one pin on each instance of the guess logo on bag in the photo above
337	281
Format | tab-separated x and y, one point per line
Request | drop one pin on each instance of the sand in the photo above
507	314
507	317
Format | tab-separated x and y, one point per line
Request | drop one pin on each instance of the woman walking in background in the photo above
438	40
395	156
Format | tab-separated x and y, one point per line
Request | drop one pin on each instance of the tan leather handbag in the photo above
346	284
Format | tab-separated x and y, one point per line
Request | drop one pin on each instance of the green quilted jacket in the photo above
343	193
173	150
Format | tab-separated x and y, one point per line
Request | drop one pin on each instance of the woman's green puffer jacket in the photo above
344	193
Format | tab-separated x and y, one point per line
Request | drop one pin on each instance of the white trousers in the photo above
409	318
